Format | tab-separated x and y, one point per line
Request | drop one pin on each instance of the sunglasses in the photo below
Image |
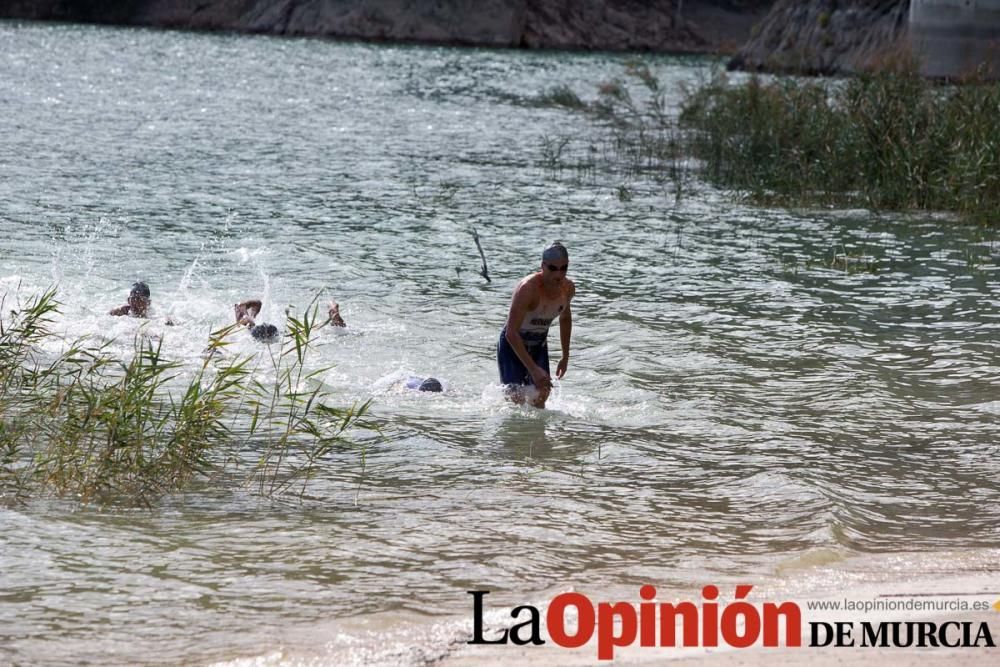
553	267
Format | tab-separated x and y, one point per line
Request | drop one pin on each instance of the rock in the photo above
701	26
827	37
956	41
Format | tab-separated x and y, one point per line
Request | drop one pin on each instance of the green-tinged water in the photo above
747	387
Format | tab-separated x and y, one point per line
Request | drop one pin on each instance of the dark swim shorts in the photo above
512	371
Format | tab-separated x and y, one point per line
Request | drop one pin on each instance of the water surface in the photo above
748	388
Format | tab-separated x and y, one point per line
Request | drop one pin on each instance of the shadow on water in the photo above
518	436
512	434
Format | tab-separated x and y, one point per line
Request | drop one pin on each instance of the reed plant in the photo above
643	139
292	417
887	140
116	433
26	326
24	376
86	424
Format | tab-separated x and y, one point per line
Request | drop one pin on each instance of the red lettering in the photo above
710	617
647	617
793	623
730	628
555	619
606	637
668	623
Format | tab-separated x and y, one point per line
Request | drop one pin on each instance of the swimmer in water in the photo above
522	351
246	313
265	333
138	304
424	384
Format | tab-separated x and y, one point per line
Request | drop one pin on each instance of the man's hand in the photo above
561	368
541	378
246	311
333	311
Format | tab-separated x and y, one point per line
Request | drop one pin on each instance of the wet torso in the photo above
534	327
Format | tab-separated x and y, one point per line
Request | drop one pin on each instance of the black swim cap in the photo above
265	333
555	251
140	289
430	384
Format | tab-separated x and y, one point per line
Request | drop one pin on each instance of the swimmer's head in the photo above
431	384
265	333
555	263
138	298
555	252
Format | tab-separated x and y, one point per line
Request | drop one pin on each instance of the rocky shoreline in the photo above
817	37
691	26
826	37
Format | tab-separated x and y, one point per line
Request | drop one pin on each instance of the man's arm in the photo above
246	312
519	307
120	310
565	331
333	315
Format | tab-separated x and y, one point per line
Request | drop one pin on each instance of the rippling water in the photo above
748	388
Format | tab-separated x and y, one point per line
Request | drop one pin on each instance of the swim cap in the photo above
265	333
140	289
555	251
430	384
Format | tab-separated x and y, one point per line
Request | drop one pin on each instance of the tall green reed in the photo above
86	424
642	140
292	416
24	376
885	140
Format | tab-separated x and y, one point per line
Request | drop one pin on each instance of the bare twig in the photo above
484	272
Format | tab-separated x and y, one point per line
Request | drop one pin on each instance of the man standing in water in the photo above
523	351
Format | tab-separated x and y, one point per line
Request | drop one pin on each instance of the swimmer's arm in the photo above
333	315
565	332
120	310
333	318
246	311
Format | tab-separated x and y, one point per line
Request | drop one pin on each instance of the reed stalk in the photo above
86	424
889	140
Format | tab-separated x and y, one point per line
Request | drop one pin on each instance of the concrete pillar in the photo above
953	37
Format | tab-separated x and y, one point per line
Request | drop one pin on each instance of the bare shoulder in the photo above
525	298
529	281
527	288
